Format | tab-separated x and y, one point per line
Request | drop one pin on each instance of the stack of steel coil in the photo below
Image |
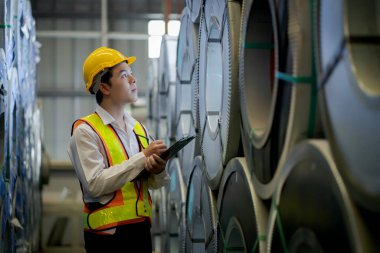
283	99
20	183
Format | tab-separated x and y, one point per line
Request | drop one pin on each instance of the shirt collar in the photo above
108	119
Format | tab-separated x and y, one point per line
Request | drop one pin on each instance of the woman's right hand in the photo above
155	147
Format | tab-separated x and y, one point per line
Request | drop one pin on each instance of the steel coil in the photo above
288	111
218	86
242	223
156	198
201	235
13	100
349	61
166	87
7	231
187	53
152	96
195	9
176	226
259	92
311	209
3	110
163	220
7	32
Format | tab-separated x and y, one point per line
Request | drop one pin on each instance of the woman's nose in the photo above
131	79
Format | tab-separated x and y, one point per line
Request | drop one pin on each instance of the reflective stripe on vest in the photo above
122	209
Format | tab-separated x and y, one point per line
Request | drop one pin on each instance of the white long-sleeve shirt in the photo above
89	159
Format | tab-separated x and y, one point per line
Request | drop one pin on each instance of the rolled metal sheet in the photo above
7	32
18	220
293	101
311	209
166	87
349	61
243	223
186	123
39	175
218	86
12	114
7	231
201	219
3	110
152	97
163	220
260	93
195	9
155	195
176	226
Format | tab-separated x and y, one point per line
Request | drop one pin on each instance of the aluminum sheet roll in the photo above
349	61
166	87
176	226
156	197
39	175
186	122
4	25
13	101
195	9
201	218
7	32
3	110
311	209
152	97
218	86
243	223
163	220
7	231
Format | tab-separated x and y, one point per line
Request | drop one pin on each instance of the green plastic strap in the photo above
259	238
280	229
5	26
258	45
307	79
295	79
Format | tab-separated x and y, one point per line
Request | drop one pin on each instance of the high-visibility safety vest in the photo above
131	203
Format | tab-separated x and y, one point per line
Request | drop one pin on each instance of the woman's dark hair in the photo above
105	79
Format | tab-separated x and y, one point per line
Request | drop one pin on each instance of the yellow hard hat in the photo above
101	59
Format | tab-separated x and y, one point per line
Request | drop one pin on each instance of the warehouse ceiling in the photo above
117	9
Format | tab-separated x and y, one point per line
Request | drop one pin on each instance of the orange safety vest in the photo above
132	202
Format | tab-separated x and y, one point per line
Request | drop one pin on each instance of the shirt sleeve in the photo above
91	166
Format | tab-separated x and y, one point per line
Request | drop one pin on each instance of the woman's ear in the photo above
104	88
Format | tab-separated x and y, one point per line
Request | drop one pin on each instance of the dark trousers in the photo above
134	237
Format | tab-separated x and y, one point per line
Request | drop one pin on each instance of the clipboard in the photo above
173	150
